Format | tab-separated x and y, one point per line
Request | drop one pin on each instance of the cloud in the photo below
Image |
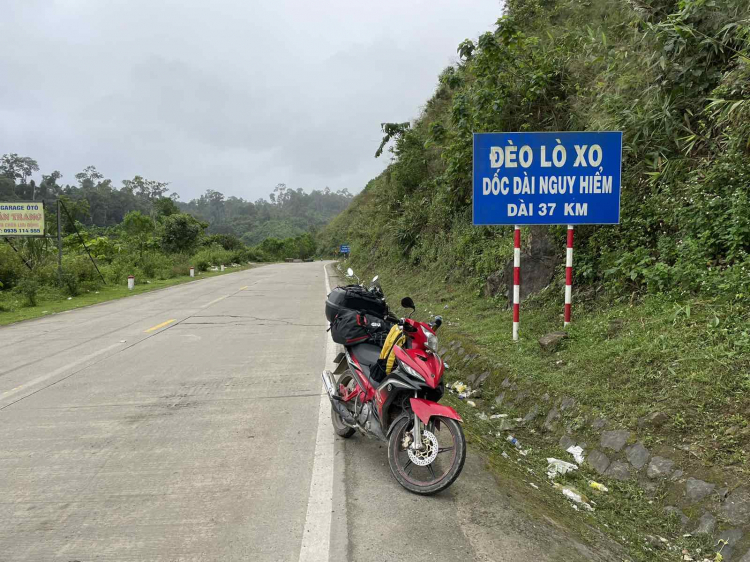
234	95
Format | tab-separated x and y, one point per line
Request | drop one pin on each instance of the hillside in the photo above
661	301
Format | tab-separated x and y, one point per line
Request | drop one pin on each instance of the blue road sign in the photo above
344	249
547	178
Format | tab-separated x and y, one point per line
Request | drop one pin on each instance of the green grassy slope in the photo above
661	301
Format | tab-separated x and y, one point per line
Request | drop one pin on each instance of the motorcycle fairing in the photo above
428	365
361	379
425	409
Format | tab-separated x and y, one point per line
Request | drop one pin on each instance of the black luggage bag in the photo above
350	327
354	297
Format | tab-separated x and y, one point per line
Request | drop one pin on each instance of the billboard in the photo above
22	218
547	178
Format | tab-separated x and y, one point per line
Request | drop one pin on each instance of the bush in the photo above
213	255
29	288
11	267
71	284
180	233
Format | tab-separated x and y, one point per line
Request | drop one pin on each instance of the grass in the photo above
51	300
631	517
622	360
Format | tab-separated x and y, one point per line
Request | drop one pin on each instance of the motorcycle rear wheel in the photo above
339	427
445	465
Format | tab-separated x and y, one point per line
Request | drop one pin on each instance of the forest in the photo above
141	228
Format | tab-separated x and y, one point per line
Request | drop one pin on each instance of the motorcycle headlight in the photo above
432	342
411	372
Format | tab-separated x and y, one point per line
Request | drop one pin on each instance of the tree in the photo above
7	189
146	189
180	232
79	211
18	168
139	228
49	186
88	177
165	207
392	131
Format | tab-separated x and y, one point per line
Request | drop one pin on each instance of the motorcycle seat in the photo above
366	355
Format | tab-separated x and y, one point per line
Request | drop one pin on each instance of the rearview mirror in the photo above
407	302
350	272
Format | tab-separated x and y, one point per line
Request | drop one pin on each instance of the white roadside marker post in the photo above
131	282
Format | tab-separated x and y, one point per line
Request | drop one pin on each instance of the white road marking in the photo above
57	372
316	538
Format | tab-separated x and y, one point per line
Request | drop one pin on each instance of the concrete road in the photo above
187	424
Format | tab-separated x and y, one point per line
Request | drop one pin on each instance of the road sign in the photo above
22	218
344	249
547	178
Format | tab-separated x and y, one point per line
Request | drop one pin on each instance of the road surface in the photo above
187	424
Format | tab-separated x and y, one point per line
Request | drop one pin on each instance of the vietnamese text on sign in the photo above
22	219
547	178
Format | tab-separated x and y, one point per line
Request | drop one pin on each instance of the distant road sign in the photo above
22	218
344	249
547	178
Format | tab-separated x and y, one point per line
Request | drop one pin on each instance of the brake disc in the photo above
427	453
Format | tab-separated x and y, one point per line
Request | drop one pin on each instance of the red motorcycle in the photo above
426	445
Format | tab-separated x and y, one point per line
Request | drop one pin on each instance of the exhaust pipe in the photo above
330	387
335	399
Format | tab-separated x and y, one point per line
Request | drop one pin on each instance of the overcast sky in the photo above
232	95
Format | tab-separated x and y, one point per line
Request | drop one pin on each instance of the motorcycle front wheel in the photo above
434	467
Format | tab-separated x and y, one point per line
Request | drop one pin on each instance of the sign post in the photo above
568	276
546	178
516	280
344	249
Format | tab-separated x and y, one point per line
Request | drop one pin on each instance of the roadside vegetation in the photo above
109	233
675	77
662	301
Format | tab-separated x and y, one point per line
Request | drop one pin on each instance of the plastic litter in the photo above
577	453
513	441
471	403
505	455
498	416
482	416
556	466
459	387
597	486
533	485
574	495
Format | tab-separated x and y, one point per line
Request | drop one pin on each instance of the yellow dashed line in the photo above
243	288
160	326
214	301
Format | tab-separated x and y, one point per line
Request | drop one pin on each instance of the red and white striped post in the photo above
568	275
516	280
